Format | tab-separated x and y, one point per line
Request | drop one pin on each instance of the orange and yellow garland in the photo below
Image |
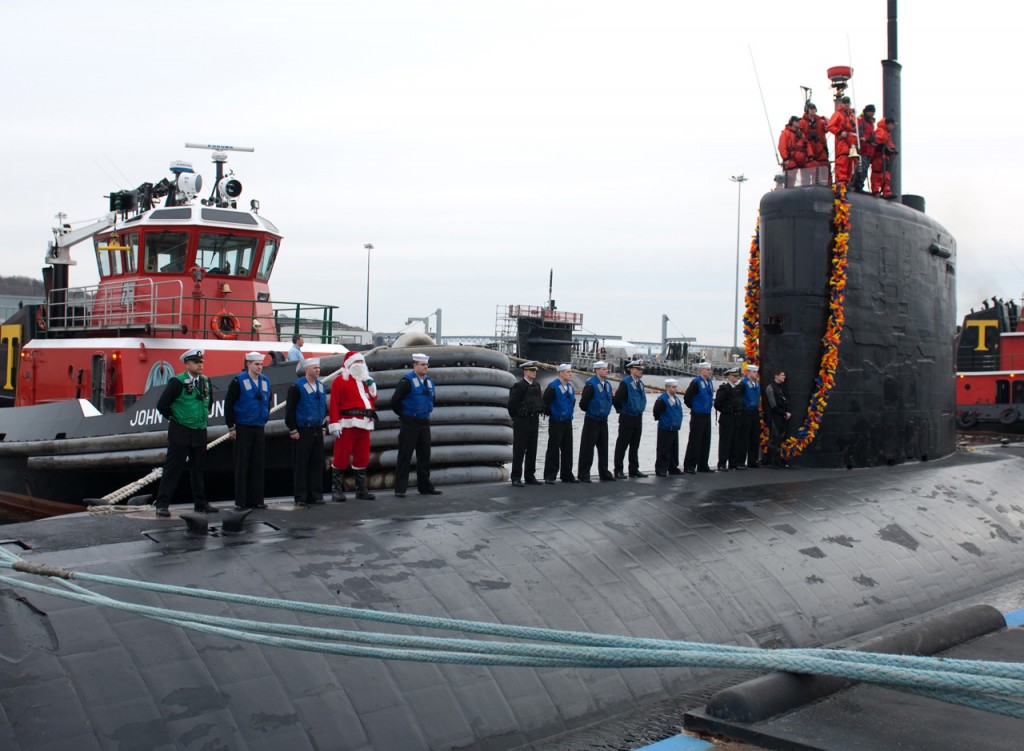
825	381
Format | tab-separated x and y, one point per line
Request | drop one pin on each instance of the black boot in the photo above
361	492
337	485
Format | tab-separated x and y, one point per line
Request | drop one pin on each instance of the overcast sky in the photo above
479	144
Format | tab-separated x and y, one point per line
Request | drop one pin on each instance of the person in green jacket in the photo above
186	402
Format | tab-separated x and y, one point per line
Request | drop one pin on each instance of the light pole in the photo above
739	180
369	247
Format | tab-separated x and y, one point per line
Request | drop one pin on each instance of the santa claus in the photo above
353	395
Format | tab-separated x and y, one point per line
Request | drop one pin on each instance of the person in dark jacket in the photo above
525	405
246	411
777	400
668	413
699	398
559	403
596	405
729	404
413	402
630	401
748	445
305	417
185	402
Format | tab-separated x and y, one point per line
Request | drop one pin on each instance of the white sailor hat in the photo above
600	364
703	365
751	368
529	365
420	357
563	367
309	362
635	364
192	354
258	356
671	382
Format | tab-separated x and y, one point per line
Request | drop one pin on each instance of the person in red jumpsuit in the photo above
881	162
866	129
353	396
792	146
814	129
843	126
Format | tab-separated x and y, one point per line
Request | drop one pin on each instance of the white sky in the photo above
478	144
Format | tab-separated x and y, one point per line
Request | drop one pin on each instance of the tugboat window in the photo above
132	241
227	255
165	251
267	261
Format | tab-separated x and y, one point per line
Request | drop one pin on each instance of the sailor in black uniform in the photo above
525	405
778	418
729	404
630	401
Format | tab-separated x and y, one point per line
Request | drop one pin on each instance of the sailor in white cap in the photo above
699	398
729	405
246	411
596	404
630	401
559	403
668	411
186	403
413	402
525	405
749	443
305	416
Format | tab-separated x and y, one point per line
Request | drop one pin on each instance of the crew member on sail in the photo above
305	414
843	125
413	402
185	402
792	145
246	411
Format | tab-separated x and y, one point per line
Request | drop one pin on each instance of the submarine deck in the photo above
773	558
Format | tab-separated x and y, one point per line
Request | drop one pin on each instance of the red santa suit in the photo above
353	396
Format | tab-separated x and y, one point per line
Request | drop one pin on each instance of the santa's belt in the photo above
358	413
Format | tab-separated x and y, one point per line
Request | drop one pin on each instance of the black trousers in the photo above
524	447
308	465
559	450
413	436
698	444
728	438
194	453
748	444
594	435
778	428
250	463
630	429
667	457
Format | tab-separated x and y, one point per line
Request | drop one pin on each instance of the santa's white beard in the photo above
359	371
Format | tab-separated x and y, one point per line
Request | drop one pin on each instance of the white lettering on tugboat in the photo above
217	410
144	417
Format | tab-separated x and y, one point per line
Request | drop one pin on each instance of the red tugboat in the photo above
81	372
990	366
175	273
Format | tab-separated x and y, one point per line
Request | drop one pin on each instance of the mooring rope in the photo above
991	686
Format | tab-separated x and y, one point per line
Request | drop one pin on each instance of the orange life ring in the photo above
225	325
41	318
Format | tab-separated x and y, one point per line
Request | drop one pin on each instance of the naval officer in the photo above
630	401
186	402
413	401
525	405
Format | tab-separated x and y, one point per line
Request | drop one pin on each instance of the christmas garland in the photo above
825	380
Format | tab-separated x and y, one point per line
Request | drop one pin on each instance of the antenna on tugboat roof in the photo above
771	137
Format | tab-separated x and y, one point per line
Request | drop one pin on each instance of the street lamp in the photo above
369	247
739	180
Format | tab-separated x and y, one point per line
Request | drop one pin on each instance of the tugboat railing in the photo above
160	308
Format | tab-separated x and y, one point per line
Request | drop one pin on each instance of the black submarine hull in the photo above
894	396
